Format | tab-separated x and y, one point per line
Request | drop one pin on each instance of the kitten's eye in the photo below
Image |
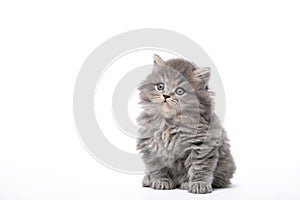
160	86
179	91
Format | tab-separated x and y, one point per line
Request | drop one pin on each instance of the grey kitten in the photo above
182	142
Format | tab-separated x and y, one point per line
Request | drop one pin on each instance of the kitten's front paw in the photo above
200	187
162	184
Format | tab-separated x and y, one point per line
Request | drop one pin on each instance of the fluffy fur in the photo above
182	142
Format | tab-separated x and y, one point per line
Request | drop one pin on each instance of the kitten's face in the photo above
176	89
168	92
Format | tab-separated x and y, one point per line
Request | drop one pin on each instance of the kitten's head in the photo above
174	86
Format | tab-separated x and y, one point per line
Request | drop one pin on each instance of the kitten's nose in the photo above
166	96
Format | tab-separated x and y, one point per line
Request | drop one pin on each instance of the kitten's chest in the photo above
166	143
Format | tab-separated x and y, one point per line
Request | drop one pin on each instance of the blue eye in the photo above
179	91
160	86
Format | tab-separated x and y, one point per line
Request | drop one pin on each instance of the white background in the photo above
254	45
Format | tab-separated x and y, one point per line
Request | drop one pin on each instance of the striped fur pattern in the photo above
181	140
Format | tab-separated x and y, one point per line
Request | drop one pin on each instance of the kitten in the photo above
182	142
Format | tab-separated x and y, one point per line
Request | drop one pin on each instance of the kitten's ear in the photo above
158	60
202	74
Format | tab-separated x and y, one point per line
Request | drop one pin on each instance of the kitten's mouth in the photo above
165	103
